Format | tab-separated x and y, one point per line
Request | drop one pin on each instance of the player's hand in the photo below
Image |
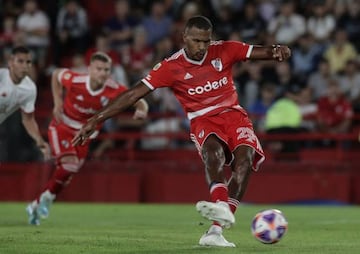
281	52
45	150
84	133
140	114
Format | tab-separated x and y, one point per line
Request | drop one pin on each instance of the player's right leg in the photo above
67	166
33	216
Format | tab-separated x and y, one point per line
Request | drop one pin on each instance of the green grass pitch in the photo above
154	228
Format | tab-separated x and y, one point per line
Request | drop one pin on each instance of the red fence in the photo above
183	181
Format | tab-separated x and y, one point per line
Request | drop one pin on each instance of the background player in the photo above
18	91
85	94
200	75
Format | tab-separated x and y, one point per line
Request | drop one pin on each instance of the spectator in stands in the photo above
284	117
350	21
251	87
224	22
267	9
85	94
334	110
157	24
251	26
71	30
102	43
306	56
318	80
308	109
34	26
187	10
8	36
18	91
321	23
284	78
260	107
120	26
288	26
139	57
235	5
200	75
340	51
350	83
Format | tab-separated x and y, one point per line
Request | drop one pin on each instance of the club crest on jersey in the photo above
104	100
217	64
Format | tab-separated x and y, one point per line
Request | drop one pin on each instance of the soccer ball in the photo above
269	226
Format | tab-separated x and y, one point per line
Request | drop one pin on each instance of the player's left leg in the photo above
241	170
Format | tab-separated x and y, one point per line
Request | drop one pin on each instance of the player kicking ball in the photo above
200	75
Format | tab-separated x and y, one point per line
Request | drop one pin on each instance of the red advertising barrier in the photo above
181	182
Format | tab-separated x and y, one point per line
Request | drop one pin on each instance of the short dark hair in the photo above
200	22
100	56
20	50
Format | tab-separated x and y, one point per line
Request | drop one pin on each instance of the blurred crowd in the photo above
317	90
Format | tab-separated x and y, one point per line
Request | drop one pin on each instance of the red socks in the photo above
59	180
233	204
219	192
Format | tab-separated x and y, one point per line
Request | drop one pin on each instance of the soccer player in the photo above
18	91
200	75
85	94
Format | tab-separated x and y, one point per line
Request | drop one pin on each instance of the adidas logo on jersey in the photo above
188	76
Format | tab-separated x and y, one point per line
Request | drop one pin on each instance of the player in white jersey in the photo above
18	91
200	75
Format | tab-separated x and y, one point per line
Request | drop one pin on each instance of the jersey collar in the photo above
193	61
90	90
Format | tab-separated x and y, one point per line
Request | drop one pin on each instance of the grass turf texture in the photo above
136	228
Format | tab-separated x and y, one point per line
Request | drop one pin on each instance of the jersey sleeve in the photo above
65	77
237	51
159	76
28	104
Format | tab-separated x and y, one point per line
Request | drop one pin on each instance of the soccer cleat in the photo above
33	215
214	237
219	212
45	201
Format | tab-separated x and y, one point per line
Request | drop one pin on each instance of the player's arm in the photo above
32	128
57	93
274	52
141	109
119	104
